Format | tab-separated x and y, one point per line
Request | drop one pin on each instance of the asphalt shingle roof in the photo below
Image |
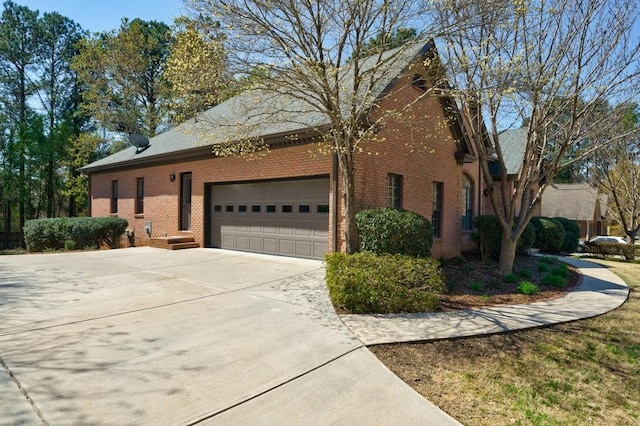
513	143
252	114
578	201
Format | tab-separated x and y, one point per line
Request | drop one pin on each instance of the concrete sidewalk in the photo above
600	291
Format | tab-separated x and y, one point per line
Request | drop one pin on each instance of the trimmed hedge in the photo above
549	234
392	231
628	251
389	283
58	233
571	234
488	237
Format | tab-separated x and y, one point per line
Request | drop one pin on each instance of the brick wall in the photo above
417	145
162	203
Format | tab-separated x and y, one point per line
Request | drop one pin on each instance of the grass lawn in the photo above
581	373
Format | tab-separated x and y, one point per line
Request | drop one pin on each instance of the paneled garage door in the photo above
288	218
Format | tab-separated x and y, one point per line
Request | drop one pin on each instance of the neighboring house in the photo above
580	202
288	201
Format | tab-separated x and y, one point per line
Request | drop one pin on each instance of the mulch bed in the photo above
472	283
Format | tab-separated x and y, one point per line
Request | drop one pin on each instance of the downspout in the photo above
334	188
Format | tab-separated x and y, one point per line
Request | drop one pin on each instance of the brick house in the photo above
580	202
288	201
577	201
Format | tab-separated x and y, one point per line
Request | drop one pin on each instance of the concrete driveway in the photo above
149	336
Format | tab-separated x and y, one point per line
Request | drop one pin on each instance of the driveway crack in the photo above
272	388
24	392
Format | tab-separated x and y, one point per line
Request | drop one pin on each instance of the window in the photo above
467	204
304	208
271	208
114	196
323	208
217	208
287	208
394	191
139	196
242	208
255	208
229	208
185	201
436	215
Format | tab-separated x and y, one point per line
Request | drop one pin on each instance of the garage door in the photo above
289	218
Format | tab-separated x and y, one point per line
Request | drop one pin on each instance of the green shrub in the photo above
628	251
543	267
53	234
525	273
562	270
527	239
69	245
510	278
571	234
488	237
370	283
476	286
549	234
553	280
527	287
45	234
392	231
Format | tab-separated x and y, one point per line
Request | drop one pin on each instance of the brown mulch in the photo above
472	283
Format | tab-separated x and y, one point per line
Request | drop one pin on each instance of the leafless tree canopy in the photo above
616	172
550	66
310	52
301	48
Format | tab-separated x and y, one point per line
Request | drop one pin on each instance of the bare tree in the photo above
616	172
550	65
311	52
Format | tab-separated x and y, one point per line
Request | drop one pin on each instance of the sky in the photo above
105	15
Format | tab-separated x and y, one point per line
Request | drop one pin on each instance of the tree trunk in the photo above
349	197
507	253
21	203
72	206
49	188
7	222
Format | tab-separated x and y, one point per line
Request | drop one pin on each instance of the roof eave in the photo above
303	136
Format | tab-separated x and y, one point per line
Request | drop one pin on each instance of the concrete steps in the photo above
174	243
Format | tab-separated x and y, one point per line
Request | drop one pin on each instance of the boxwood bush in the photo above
549	234
58	233
571	234
488	237
387	230
388	283
628	251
